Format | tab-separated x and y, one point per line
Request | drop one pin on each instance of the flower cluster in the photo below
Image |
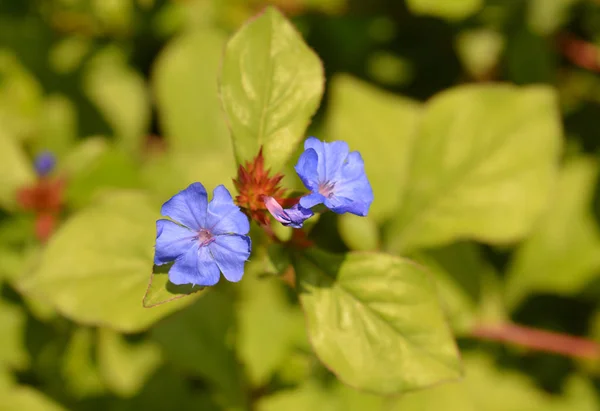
203	239
45	197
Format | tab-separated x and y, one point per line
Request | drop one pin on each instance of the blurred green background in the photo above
124	92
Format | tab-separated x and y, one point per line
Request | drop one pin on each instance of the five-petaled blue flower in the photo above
335	176
44	163
293	217
206	239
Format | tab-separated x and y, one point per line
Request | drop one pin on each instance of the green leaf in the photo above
160	290
168	174
15	171
359	233
21	397
452	10
313	396
125	366
58	125
310	396
20	98
267	325
83	155
375	321
120	94
545	17
13	352
479	51
490	388
185	85
459	270
271	85
563	253
481	167
381	126
196	340
79	369
109	170
103	276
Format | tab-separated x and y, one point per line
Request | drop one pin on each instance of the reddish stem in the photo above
539	340
580	52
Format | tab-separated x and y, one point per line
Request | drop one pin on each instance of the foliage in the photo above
477	124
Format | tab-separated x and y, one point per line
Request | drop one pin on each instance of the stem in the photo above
539	340
580	52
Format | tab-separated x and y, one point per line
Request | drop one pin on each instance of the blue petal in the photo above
172	240
354	167
293	217
196	266
188	207
44	163
224	217
307	169
230	253
312	200
297	215
341	205
334	155
318	146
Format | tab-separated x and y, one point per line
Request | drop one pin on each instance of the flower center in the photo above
326	189
205	237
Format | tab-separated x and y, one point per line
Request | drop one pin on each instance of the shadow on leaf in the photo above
160	290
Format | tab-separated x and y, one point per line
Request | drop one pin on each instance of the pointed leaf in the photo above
481	167
271	85
447	9
95	269
15	171
375	321
381	126
120	94
125	366
267	325
563	254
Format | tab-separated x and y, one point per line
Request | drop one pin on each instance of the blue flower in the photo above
293	217
205	239
44	163
335	176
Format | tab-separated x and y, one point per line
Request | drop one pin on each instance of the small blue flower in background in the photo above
207	238
293	217
335	176
44	163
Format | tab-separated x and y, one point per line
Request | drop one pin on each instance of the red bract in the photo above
45	198
254	183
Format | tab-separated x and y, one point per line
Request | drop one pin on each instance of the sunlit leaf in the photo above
447	9
490	388
120	94
381	127
482	167
271	85
267	325
17	398
125	366
58	126
109	170
563	253
20	98
79	369
375	321
102	278
13	353
16	171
